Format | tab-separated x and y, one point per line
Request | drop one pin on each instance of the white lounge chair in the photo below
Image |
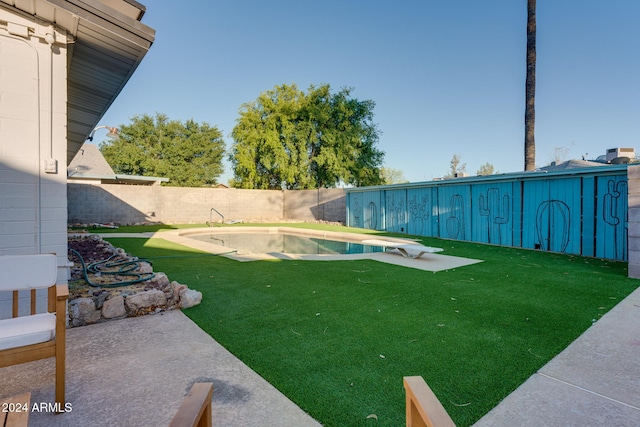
407	250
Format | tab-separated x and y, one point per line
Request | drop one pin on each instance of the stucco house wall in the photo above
33	145
62	63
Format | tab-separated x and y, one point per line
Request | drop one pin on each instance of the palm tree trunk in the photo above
530	90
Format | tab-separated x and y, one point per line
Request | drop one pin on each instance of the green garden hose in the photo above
124	268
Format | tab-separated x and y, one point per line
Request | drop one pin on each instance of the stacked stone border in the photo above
94	304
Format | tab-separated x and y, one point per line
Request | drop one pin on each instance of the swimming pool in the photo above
212	239
286	243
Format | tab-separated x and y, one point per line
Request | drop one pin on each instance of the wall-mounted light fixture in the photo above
113	132
50	37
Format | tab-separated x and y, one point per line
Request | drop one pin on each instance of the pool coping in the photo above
183	237
428	262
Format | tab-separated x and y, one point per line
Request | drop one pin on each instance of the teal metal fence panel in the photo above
588	216
454	212
493	214
364	210
420	209
396	211
579	211
553	209
611	217
518	202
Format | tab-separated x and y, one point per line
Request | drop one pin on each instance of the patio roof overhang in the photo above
109	42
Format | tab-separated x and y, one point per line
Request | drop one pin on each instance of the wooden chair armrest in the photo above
423	407
195	410
62	292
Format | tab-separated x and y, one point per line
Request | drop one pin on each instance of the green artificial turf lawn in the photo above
337	337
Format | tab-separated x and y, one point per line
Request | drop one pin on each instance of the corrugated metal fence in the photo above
578	211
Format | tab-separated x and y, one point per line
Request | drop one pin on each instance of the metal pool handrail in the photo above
210	223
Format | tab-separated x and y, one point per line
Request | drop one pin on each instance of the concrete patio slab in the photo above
606	358
545	402
136	372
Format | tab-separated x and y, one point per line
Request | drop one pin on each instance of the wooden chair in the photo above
195	410
423	407
34	336
18	415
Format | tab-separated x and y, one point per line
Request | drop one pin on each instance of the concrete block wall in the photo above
130	204
633	216
326	204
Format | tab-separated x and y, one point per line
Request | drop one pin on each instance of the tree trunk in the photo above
530	90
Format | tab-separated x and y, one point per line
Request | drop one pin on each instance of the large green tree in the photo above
295	140
189	154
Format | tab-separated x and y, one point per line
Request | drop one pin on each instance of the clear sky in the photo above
447	76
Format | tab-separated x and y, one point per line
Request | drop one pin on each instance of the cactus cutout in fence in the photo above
615	214
553	224
419	215
497	213
371	217
395	214
455	222
357	211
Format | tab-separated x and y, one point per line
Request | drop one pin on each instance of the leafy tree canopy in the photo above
455	168
392	176
486	169
189	154
295	140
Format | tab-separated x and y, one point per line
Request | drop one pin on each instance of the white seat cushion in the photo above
26	330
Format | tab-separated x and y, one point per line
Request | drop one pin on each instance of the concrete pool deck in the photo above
428	262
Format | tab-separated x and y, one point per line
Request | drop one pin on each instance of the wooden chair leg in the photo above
61	342
60	380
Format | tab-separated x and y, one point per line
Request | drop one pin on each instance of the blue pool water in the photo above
260	243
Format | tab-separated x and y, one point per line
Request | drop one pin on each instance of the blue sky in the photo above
447	76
